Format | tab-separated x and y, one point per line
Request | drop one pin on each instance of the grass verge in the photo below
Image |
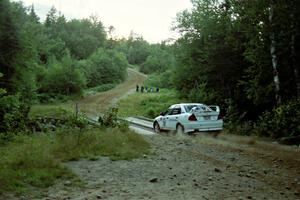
36	161
50	110
28	161
148	104
118	144
100	88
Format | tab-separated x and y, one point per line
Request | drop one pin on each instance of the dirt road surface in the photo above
92	105
199	167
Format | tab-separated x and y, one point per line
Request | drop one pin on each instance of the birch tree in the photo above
273	53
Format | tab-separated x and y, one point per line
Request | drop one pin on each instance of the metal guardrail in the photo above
140	125
144	118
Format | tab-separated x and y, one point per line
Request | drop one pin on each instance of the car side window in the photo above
176	111
205	109
169	111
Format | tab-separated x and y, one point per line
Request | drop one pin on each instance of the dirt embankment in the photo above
201	167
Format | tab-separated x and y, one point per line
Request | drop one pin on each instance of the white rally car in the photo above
189	117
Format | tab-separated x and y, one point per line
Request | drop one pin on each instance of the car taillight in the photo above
192	118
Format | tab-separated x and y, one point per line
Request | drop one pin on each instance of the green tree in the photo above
138	50
158	61
106	66
63	78
10	46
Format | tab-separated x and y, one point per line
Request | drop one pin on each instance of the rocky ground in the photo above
187	167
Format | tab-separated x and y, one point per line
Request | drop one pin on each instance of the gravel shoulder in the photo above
199	167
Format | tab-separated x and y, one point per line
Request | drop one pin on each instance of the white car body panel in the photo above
207	118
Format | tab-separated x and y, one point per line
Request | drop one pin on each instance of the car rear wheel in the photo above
179	129
156	127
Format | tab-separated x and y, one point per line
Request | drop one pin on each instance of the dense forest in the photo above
242	55
42	62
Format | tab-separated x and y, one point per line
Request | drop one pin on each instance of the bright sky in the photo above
150	18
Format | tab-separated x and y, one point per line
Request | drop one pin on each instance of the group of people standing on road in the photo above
143	89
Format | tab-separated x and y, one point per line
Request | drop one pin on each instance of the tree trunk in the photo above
273	54
293	54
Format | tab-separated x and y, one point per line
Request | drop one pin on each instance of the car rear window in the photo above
204	108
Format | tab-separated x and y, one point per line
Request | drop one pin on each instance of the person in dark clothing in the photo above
142	89
157	89
137	88
146	88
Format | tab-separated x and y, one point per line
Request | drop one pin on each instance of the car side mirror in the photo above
162	113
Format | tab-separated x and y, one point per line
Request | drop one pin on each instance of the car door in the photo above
165	119
173	118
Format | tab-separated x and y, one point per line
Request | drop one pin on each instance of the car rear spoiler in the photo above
215	108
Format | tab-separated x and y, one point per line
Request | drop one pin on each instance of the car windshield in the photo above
203	108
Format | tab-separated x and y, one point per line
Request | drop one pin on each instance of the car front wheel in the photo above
156	127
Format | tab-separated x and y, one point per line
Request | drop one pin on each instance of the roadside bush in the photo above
13	114
239	128
63	78
282	121
110	119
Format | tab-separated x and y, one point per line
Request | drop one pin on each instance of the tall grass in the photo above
116	143
37	160
29	161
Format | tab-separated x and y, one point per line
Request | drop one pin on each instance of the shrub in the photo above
13	114
240	128
282	121
63	78
110	119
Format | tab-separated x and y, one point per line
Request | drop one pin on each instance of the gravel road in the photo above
191	167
